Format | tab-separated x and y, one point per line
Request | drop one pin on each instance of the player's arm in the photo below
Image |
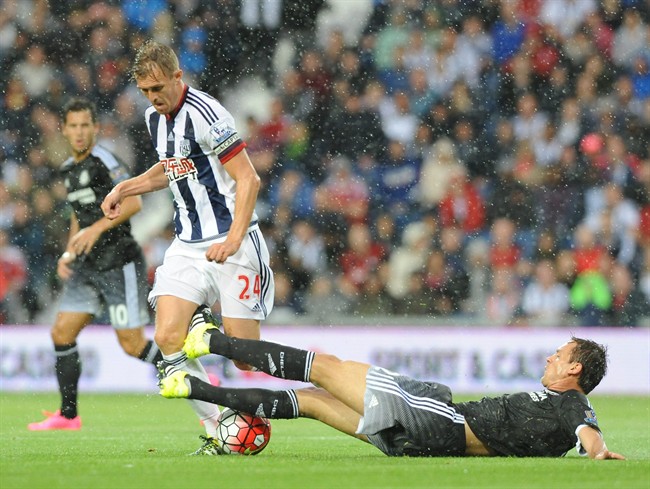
63	269
150	181
241	169
593	443
84	240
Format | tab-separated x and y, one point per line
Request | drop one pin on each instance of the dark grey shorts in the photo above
404	416
118	295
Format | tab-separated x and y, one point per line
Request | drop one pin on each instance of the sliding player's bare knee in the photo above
316	403
310	401
324	367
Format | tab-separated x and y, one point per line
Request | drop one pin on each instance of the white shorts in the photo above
243	284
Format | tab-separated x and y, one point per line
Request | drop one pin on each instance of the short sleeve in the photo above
222	137
576	412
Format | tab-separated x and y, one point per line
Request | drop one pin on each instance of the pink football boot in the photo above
54	421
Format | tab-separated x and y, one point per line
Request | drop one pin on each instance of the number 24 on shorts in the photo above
246	282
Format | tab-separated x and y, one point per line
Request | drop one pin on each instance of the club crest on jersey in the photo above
220	131
179	168
185	147
84	178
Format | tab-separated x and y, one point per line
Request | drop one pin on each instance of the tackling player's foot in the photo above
210	447
197	342
54	421
203	314
174	385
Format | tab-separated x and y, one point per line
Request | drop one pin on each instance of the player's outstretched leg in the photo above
261	402
280	361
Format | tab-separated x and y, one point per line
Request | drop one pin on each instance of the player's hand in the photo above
84	240
63	268
111	204
607	455
220	252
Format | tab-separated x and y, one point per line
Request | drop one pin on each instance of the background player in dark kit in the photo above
102	266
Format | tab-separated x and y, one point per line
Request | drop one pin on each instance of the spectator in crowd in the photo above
361	255
508	34
284	298
504	251
591	296
644	276
457	286
630	39
440	290
529	123
306	255
408	259
478	272
329	296
293	191
545	300
503	298
36	68
342	192
588	252
629	304
397	175
13	277
421	96
616	224
439	168
565	19
462	205
398	121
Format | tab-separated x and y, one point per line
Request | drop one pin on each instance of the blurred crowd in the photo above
478	159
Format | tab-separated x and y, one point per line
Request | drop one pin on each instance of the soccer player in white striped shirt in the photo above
219	253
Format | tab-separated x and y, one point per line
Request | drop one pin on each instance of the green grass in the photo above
137	441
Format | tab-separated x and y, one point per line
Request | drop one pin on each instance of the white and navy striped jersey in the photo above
193	143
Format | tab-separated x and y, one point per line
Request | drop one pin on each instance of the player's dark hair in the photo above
593	358
79	105
153	54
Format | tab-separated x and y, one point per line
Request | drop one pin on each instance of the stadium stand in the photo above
456	162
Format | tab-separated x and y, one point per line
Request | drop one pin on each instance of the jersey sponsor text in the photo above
179	168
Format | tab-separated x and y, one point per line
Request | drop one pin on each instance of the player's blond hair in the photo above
151	55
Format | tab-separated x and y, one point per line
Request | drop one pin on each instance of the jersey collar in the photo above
173	113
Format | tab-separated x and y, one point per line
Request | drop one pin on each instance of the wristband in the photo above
67	255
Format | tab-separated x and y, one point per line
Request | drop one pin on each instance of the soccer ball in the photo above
242	434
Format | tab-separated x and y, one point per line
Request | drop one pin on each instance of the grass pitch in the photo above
142	441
